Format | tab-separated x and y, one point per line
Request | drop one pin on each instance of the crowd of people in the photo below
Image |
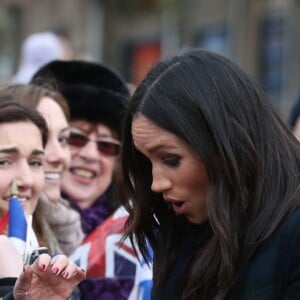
191	176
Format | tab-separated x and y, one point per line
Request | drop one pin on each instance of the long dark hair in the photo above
251	158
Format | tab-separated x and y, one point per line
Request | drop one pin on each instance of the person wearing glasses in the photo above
97	98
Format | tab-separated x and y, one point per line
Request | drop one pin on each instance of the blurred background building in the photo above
130	35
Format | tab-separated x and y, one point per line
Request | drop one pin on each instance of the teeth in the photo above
22	200
52	176
83	173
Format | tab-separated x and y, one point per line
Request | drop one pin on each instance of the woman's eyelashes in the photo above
64	140
36	163
4	162
172	160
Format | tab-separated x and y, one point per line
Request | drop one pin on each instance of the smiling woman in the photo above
21	163
21	159
57	225
97	97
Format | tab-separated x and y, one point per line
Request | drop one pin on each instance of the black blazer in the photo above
274	272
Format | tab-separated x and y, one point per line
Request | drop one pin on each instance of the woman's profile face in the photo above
57	153
21	159
177	171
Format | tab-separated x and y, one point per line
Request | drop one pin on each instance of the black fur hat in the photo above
94	92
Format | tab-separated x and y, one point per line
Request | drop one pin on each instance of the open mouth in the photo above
23	200
52	176
86	174
179	207
178	204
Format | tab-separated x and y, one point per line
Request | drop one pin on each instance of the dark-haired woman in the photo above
212	175
21	161
56	224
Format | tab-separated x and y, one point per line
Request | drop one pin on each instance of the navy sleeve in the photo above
6	288
293	284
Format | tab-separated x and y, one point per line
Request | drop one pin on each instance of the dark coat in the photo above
274	272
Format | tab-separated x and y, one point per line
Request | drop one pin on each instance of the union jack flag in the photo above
17	227
103	255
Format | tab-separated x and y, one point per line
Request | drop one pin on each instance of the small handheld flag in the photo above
17	224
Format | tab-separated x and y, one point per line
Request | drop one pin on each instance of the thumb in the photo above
23	283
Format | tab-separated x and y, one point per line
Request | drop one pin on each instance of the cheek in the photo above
38	188
3	207
39	182
73	151
67	158
195	180
108	166
6	179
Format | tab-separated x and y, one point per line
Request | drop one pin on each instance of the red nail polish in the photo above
54	270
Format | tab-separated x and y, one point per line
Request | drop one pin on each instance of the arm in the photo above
11	267
37	280
10	259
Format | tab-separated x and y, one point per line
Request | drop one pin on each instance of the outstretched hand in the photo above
48	279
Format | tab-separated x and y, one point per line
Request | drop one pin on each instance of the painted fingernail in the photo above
65	274
54	270
43	267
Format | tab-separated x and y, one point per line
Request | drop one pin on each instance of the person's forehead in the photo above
12	138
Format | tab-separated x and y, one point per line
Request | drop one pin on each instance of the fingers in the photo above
47	277
59	265
23	284
80	275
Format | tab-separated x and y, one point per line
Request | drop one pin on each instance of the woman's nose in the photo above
160	183
55	153
89	151
24	175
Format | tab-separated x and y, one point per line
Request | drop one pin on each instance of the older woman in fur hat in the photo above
97	98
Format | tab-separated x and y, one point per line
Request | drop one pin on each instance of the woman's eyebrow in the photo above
15	150
159	147
10	150
38	152
66	129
